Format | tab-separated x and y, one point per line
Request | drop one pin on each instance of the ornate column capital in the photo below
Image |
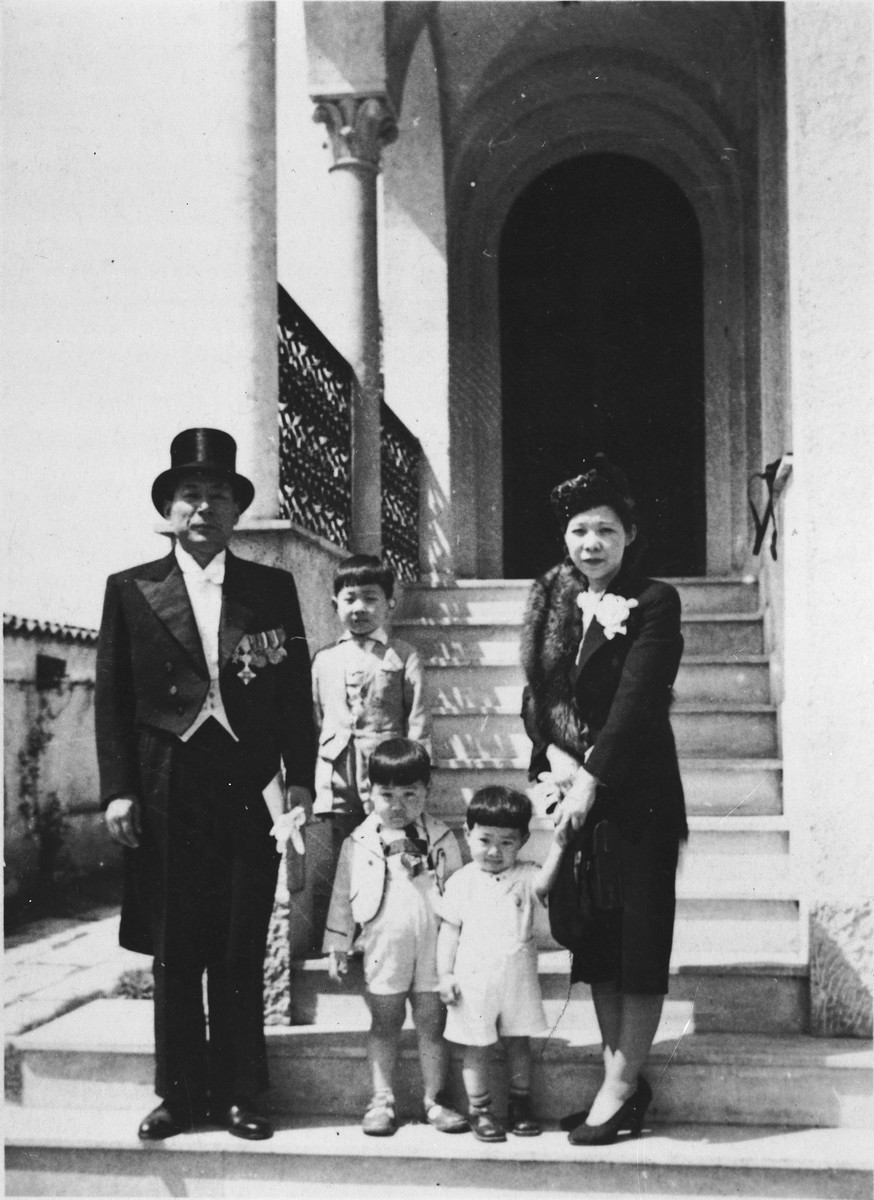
358	126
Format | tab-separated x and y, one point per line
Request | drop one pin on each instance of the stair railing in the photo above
316	387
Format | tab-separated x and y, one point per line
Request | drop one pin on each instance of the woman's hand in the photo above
577	800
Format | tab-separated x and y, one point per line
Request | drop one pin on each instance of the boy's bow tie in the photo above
406	846
412	849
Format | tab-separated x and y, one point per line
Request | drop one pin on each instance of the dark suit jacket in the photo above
616	700
152	679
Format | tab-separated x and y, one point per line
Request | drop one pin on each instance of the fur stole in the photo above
550	639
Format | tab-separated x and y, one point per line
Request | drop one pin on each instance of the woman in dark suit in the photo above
601	648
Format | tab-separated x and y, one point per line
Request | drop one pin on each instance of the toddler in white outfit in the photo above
487	956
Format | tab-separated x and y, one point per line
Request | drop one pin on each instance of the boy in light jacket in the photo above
391	872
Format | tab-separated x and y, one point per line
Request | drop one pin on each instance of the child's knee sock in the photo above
481	1102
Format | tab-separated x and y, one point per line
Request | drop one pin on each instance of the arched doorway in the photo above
602	348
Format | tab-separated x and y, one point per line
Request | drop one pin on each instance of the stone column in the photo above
359	126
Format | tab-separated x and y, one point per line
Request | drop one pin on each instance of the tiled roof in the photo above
30	627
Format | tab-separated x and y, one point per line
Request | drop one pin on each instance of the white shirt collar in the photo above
189	565
378	635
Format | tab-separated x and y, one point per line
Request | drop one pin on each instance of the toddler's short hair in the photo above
399	761
361	569
500	807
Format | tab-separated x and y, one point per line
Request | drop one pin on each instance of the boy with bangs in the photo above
391	871
367	687
487	955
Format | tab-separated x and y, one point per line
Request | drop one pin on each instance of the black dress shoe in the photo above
572	1120
163	1122
630	1116
243	1121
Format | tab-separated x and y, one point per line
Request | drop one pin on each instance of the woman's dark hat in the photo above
202	452
599	483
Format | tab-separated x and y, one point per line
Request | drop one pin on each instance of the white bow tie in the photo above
213	572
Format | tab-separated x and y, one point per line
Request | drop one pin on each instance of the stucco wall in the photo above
829	658
61	768
308	211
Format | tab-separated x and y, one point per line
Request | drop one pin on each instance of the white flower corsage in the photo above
611	611
256	650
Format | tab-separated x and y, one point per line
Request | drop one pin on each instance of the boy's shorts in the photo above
501	998
400	943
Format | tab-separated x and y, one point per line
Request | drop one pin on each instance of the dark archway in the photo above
602	348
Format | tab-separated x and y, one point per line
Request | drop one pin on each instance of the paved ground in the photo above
57	963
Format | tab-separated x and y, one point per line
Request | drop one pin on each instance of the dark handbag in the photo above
588	886
604	868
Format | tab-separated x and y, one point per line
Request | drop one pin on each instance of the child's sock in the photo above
483	1122
519	1115
481	1102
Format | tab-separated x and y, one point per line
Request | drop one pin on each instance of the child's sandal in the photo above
445	1119
380	1120
485	1126
520	1120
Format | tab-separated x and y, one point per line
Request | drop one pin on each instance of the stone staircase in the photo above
746	1103
739	904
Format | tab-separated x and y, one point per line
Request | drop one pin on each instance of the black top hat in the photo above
202	452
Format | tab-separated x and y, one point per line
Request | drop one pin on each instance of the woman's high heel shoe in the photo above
572	1120
630	1116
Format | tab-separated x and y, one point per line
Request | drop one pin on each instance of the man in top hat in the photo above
203	693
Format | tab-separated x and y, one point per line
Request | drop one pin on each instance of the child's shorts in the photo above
400	943
498	998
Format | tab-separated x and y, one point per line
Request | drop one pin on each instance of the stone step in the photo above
485	599
732	908
92	1153
708	731
769	999
496	641
743	848
100	1056
715	787
499	687
717	931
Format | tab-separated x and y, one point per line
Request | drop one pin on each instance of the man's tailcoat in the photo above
152	679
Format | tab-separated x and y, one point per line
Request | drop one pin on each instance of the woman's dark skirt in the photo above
632	947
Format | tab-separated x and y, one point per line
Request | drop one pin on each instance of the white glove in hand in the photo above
287	829
563	767
545	794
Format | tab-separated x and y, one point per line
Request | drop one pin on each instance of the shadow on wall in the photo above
435	526
841	969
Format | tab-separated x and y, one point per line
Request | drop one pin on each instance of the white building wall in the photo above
829	580
415	296
308	205
139	257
